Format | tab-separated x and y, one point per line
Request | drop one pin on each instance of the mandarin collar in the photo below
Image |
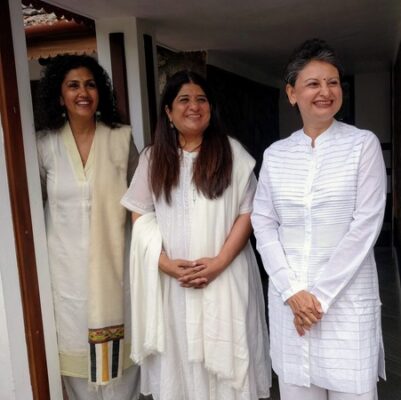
323	137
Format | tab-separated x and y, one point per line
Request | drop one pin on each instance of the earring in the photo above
171	125
64	113
98	114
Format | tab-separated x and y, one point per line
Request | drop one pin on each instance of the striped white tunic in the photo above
317	214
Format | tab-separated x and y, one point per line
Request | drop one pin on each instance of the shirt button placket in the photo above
308	197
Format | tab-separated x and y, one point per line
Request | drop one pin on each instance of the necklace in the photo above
186	146
193	149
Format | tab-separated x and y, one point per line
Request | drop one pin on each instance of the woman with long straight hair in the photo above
200	333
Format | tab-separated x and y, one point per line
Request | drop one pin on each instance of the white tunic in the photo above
67	185
170	376
317	214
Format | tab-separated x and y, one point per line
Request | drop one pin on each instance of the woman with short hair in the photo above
318	211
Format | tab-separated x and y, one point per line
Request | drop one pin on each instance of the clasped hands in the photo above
191	274
307	310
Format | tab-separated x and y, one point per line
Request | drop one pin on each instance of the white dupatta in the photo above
216	316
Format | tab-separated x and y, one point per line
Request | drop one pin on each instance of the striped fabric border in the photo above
105	353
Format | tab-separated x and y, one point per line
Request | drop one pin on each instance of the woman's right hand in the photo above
178	268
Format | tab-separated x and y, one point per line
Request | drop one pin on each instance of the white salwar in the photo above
173	374
67	187
317	214
291	392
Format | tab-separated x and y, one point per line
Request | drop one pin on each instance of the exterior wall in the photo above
133	30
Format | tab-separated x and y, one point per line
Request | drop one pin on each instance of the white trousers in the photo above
292	392
127	388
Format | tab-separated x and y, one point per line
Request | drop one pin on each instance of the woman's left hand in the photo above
211	268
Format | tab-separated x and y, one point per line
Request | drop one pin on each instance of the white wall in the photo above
133	30
7	384
14	376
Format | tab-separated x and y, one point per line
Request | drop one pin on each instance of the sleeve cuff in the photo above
295	288
324	300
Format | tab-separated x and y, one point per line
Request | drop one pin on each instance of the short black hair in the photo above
312	49
50	111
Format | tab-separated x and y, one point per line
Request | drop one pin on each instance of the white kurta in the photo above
67	186
170	375
317	214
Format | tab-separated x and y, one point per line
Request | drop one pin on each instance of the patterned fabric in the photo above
317	214
104	334
105	343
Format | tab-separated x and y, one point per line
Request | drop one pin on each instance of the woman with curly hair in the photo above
86	158
199	330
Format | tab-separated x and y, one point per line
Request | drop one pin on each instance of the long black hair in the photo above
213	166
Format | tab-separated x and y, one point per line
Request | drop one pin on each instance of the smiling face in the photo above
190	110
79	94
318	94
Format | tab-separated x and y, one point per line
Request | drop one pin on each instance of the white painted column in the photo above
133	30
15	381
35	198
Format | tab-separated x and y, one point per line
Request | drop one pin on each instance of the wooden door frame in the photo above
20	209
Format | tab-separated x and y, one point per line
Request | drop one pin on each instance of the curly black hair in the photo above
49	111
312	49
